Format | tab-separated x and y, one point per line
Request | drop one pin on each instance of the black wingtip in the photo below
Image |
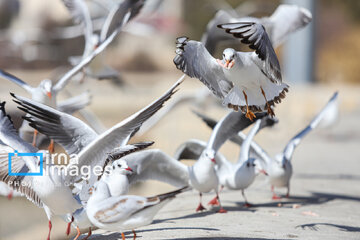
182	39
2	106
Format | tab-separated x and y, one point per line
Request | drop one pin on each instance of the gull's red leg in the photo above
50	226
200	207
274	197
78	233
68	228
89	234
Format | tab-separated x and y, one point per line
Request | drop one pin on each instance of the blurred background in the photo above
318	60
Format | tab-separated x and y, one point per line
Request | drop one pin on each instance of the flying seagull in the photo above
284	21
259	91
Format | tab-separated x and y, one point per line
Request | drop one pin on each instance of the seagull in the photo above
79	219
285	20
202	175
76	137
279	168
46	93
49	191
44	191
259	91
116	17
127	212
237	176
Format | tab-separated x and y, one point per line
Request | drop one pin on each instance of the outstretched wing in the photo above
74	104
240	137
194	60
68	131
292	144
80	14
255	36
9	135
285	20
16	80
117	15
22	184
96	152
154	164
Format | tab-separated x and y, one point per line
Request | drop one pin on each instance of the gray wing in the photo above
292	144
117	15
74	104
193	148
80	14
68	131
85	61
285	20
228	127
95	153
254	34
194	60
16	80
9	135
154	164
122	151
240	137
22	184
213	35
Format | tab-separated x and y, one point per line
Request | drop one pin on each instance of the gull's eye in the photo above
248	164
114	167
223	55
119	165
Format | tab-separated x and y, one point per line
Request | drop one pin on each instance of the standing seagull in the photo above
237	176
118	213
279	169
261	89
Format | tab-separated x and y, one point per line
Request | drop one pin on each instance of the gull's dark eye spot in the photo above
119	165
248	164
114	167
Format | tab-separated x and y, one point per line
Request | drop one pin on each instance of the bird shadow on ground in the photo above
227	238
314	227
117	235
202	214
316	198
327	176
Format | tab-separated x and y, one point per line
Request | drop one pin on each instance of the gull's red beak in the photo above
231	64
129	169
49	94
213	160
227	63
263	172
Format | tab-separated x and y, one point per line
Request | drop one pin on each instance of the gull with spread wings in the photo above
259	91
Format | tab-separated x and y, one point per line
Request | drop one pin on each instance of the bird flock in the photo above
249	83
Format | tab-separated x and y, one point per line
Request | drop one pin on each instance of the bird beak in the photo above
213	160
129	169
229	64
48	94
263	172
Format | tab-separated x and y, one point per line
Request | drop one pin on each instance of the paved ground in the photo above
325	192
